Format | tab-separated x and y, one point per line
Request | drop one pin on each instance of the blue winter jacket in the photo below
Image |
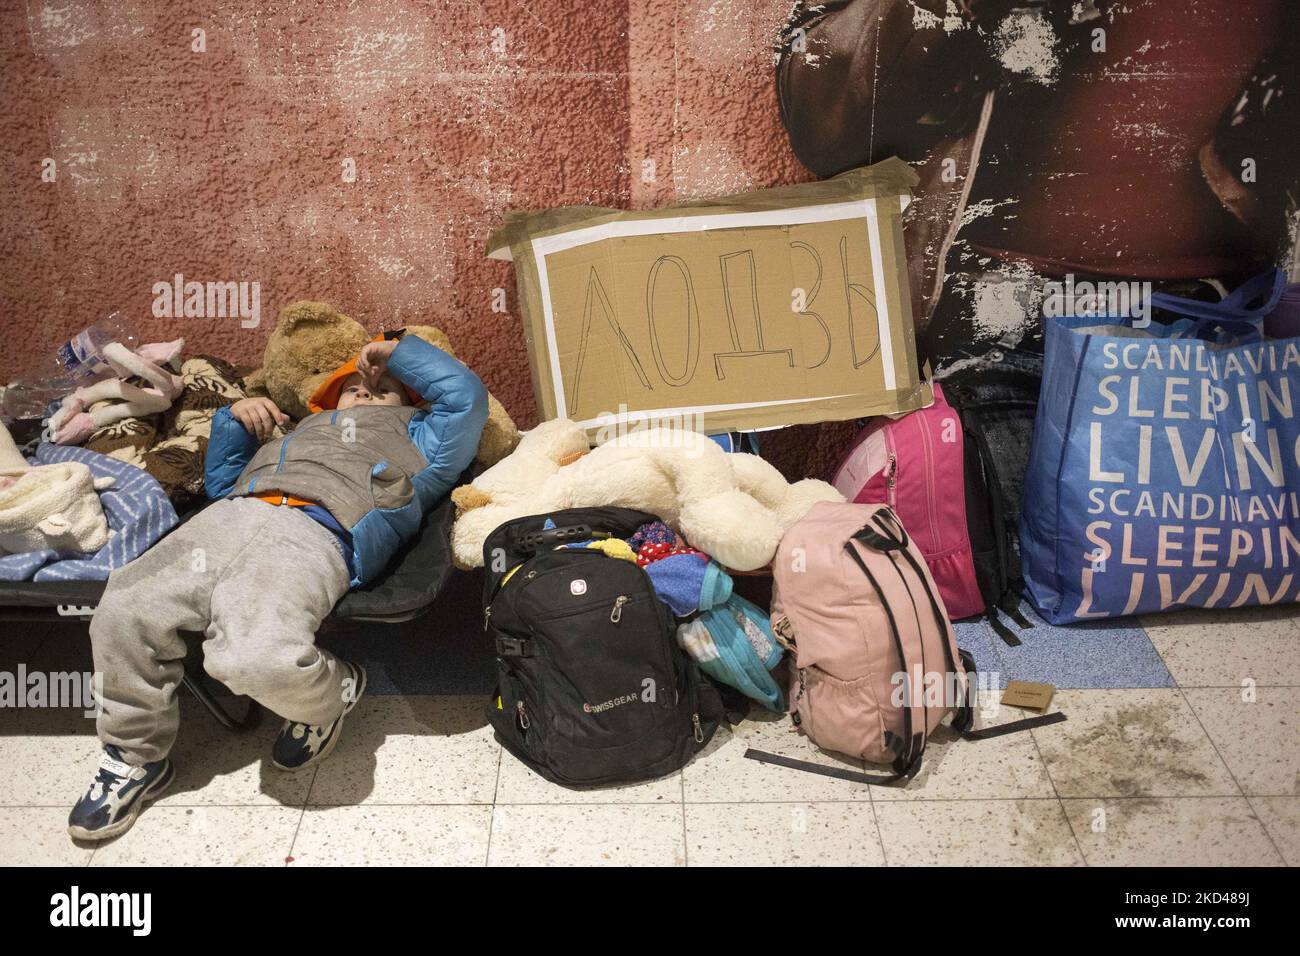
377	469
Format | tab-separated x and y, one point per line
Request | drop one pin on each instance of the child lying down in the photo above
302	519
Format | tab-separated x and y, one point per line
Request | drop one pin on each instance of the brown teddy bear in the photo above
312	339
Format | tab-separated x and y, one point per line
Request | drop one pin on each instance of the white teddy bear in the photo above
732	506
53	506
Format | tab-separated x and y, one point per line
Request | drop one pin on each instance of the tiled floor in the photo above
1180	747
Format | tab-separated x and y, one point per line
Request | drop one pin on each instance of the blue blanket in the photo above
138	514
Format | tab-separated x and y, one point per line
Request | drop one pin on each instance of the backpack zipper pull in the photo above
524	722
617	614
699	728
893	469
487	617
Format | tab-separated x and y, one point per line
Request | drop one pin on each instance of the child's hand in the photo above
373	360
259	416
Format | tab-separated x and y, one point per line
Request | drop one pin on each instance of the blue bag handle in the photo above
1235	315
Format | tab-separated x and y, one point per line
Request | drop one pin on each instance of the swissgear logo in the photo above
609	704
647	695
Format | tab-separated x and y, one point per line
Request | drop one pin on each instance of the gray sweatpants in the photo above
257	579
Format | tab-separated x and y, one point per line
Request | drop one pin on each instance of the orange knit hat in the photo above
327	394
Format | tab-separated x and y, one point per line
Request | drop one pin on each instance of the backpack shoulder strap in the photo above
909	749
1013	727
840	773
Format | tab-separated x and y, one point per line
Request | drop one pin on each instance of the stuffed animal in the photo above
312	339
734	507
109	400
48	506
54	507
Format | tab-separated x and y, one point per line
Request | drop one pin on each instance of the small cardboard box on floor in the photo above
778	307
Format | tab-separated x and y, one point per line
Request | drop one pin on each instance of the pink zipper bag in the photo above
915	464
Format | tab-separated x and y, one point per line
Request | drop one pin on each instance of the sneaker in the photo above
116	796
300	745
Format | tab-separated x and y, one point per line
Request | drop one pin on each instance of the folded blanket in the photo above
171	445
138	514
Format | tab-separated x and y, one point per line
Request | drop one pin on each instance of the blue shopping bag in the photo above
1164	468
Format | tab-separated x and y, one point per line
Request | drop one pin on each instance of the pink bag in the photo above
856	607
915	464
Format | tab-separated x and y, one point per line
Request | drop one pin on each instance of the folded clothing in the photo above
733	643
683	581
135	507
652	532
655	540
171	446
650	553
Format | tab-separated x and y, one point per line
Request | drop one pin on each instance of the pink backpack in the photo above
915	464
856	607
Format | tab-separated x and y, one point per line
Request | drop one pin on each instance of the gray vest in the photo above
351	461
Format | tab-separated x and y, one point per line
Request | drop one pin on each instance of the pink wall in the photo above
228	164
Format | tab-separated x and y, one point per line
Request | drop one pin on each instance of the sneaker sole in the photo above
338	731
151	793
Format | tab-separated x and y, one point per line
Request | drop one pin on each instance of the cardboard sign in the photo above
778	307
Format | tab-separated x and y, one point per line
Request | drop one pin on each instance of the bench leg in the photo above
194	682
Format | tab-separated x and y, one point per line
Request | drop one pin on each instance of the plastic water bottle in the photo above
75	362
82	357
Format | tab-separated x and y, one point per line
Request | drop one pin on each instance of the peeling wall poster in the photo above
768	308
1144	141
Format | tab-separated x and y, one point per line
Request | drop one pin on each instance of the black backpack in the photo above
592	687
997	401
